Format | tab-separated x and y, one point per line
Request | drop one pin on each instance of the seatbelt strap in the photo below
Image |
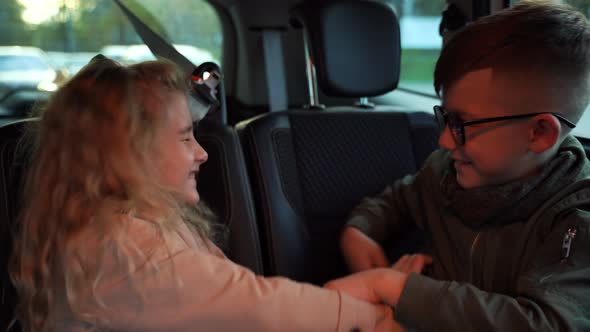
275	70
158	45
204	91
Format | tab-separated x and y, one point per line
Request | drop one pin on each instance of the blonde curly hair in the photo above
91	160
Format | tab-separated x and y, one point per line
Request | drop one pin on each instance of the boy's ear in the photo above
544	132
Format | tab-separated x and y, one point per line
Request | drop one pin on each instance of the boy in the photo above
506	201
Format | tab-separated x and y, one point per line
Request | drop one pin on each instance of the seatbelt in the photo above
275	70
205	90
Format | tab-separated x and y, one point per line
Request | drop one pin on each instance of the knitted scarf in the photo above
517	200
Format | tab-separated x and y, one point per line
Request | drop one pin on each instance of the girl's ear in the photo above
544	133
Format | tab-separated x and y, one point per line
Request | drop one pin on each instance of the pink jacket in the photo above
194	287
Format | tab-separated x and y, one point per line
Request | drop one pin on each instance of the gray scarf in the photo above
517	200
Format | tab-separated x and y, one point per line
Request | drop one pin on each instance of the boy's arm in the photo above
400	204
553	296
377	219
371	224
380	216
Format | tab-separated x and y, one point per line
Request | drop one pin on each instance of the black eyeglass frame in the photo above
458	126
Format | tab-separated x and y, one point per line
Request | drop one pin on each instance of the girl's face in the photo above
178	155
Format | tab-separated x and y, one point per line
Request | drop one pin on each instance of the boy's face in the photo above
178	155
496	152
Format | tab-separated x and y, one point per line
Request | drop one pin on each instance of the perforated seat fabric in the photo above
309	169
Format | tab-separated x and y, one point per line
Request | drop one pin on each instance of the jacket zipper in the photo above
566	245
472	252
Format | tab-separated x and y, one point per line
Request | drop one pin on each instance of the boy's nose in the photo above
446	140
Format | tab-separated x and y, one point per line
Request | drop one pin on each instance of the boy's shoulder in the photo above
574	196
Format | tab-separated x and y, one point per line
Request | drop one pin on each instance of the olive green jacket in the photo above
520	275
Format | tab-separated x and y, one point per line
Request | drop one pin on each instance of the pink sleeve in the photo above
194	290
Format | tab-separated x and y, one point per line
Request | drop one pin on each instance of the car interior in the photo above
317	109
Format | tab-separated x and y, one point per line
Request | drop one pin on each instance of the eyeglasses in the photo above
457	126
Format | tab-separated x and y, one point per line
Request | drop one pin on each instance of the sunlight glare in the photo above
37	12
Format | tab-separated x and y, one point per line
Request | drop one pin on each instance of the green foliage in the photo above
419	7
192	22
581	5
417	65
96	23
106	24
14	32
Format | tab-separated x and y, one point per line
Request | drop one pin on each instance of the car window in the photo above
44	42
583	127
421	42
22	62
193	27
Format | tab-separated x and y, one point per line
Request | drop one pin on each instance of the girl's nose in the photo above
201	155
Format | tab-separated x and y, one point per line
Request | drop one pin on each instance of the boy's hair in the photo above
548	43
90	165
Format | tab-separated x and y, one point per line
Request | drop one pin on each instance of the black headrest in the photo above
13	156
355	45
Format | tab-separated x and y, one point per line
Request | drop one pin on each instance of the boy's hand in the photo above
412	263
383	285
385	320
360	251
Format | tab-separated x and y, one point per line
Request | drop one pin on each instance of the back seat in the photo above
13	156
224	186
309	168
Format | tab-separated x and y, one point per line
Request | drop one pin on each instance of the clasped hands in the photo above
374	280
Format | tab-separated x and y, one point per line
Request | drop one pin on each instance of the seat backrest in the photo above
310	168
13	156
224	186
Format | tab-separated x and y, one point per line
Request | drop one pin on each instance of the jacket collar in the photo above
516	201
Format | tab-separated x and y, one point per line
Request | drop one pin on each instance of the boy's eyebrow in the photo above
452	110
455	111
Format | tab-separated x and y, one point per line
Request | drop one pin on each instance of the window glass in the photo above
583	127
44	42
421	42
22	62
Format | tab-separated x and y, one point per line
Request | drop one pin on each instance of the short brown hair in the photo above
548	40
